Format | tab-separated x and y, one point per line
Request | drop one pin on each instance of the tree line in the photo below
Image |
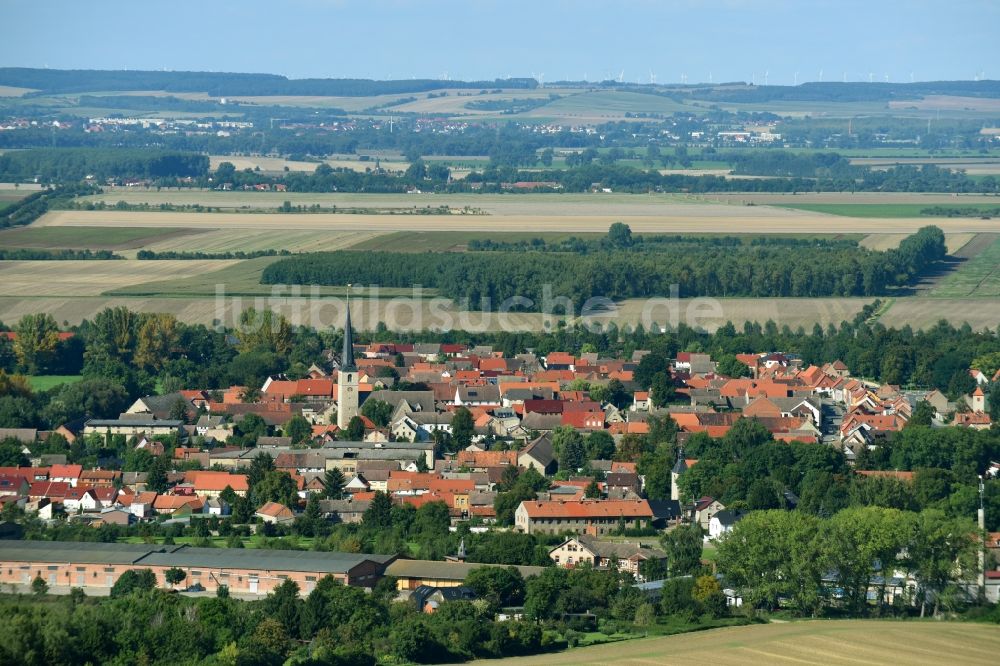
66	165
484	280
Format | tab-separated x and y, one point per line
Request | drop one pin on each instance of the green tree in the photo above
730	366
260	466
923	415
355	429
377	411
856	541
333	483
133	580
770	554
378	515
502	586
38	586
298	428
569	444
592	491
662	389
156	478
600	445
942	550
276	486
462	428
36	341
683	546
174	576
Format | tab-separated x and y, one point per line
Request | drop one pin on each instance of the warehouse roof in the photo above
183	556
76	552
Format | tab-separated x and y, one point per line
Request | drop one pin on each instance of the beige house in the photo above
594	517
603	554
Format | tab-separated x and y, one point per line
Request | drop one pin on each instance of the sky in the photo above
774	41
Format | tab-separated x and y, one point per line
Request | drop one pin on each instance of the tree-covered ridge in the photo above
617	273
227	83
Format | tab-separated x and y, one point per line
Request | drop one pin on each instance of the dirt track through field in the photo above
679	218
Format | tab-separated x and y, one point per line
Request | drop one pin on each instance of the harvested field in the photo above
200	306
948	103
677	218
91	278
974	166
235	278
12	91
883	210
820	642
249	241
882	242
92	238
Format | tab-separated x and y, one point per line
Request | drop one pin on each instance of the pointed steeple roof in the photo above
681	465
347	356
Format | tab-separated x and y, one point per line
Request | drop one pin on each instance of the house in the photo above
133	425
216	506
66	474
722	522
428	598
274	512
703	511
600	554
211	484
80	499
595	517
538	455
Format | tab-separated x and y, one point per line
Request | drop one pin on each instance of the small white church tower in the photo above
347	379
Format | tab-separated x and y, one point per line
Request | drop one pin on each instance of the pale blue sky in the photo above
484	39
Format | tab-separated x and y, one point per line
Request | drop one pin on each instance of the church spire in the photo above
347	357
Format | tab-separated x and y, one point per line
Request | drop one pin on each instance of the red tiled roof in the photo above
589	509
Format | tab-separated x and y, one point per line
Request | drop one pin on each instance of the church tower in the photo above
675	474
347	380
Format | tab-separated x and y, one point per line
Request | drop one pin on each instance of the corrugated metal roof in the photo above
183	556
76	552
265	560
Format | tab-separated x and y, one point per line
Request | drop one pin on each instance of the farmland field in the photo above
94	238
881	210
235	278
882	242
818	642
218	241
69	279
979	276
974	166
670	218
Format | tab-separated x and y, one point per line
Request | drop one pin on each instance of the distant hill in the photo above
222	84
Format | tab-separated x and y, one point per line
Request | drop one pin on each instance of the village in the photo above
347	437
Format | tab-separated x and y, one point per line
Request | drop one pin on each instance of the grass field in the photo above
978	277
46	382
818	642
879	211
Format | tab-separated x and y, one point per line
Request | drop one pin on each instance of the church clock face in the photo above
350	390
